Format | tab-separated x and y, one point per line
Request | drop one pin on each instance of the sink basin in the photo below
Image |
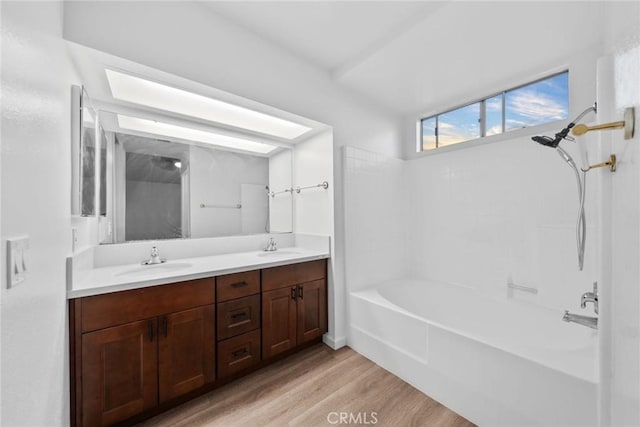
154	269
279	252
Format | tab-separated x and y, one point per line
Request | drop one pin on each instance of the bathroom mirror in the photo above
88	179
160	188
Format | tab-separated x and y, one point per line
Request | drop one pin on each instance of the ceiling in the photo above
330	34
92	65
417	57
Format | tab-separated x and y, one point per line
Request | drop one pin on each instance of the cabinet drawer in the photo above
238	353
118	308
293	274
237	285
238	316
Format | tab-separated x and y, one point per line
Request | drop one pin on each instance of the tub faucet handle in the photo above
590	297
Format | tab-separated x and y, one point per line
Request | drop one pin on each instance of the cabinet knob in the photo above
300	294
293	294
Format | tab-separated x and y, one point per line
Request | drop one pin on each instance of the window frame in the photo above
482	122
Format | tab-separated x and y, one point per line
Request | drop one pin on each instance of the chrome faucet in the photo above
271	245
590	297
590	322
155	258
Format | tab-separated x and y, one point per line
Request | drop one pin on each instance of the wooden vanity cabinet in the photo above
294	306
133	350
119	372
239	332
186	351
138	352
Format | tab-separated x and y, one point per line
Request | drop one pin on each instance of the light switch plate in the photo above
17	260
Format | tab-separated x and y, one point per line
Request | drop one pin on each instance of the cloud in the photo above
533	105
493	104
445	126
516	124
449	134
494	130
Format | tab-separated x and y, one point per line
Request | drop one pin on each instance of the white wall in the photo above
313	214
618	88
281	205
36	180
216	178
312	165
376	210
191	41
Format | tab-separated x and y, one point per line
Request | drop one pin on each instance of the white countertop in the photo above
104	280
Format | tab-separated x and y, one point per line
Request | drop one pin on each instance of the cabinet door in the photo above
119	372
186	351
278	321
312	311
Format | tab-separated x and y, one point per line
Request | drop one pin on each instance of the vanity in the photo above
138	347
147	337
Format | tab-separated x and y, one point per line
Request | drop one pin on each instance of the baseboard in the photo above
334	343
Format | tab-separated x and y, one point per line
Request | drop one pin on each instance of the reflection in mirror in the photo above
85	157
165	190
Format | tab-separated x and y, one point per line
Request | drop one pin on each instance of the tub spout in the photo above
590	322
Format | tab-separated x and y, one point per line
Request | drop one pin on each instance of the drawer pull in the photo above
300	294
240	353
239	315
293	294
239	285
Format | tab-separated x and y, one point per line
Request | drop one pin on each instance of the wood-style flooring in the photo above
312	388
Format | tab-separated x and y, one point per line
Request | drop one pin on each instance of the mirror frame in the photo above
79	101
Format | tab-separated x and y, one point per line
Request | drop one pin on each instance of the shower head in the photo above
547	141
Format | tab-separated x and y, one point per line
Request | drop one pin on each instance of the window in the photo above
535	103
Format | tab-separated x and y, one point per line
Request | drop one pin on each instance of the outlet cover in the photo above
17	260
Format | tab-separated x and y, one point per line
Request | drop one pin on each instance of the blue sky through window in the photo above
459	125
541	102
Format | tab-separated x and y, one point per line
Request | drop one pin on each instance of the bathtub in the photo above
494	361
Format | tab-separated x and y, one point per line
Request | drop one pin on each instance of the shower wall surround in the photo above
475	217
376	196
502	212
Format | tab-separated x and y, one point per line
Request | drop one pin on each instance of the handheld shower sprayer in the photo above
547	141
567	158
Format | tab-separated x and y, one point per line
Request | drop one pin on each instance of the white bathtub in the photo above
496	362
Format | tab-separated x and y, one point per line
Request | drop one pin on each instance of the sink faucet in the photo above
590	297
590	322
271	245
155	258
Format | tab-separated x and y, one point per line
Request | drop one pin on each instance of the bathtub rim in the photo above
372	295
